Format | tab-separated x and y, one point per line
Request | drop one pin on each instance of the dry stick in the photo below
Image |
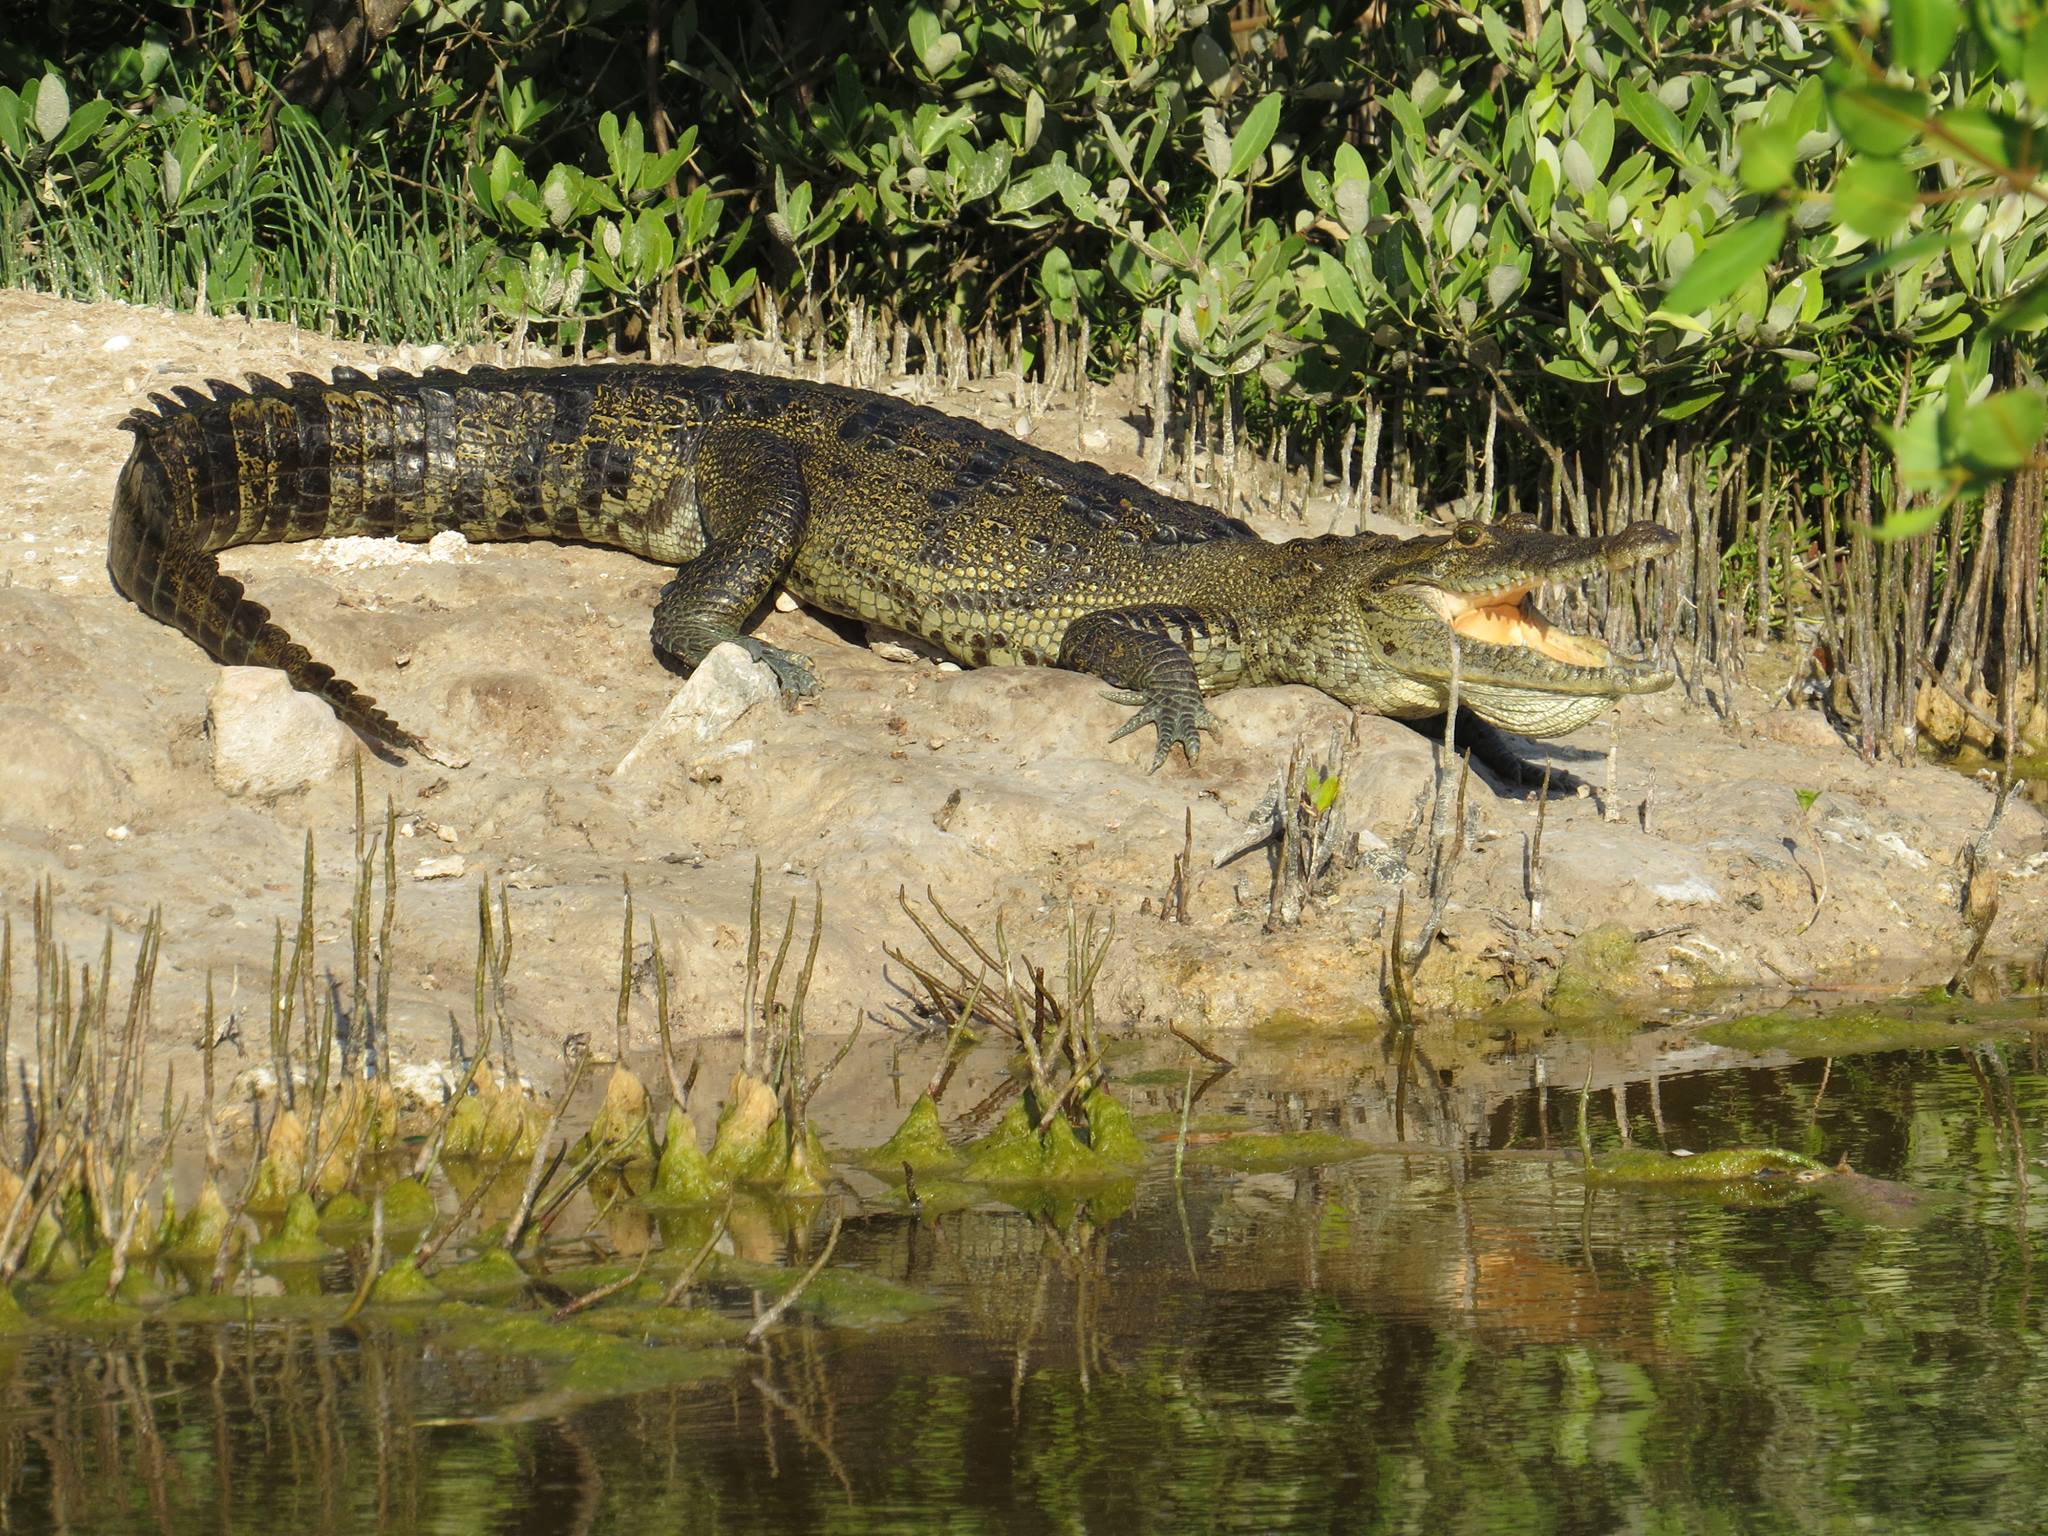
788	1298
747	1009
369	1280
625	969
1180	1142
1820	853
1534	888
603	1293
516	1228
1205	1052
430	1152
47	1143
117	1269
206	1048
6	1014
678	1094
949	1059
683	1281
428	1248
581	1174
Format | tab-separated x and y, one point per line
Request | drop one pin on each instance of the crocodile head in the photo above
1474	590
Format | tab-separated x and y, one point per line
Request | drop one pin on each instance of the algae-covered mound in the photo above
1600	968
1020	1151
623	1131
1728	1165
298	1240
409	1206
757	1143
493	1274
282	1173
1843	1032
684	1175
919	1143
403	1285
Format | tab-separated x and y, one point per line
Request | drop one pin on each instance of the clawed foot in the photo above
793	674
1180	722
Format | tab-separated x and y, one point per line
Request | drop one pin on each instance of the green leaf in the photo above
1995	138
1916	445
53	107
1878	119
2001	432
1874	196
1923	32
1678	410
1904	525
2025	313
1652	119
1768	153
2034	63
1726	262
1254	134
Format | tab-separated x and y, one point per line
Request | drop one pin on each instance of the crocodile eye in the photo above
1469	535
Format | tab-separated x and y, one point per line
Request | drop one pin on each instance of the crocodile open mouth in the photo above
1508	616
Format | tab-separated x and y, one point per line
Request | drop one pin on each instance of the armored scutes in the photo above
862	505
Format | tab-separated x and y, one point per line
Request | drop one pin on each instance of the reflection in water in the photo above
1452	1336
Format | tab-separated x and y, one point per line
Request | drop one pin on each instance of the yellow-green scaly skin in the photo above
858	503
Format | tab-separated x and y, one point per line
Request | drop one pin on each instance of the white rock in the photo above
447	866
268	737
726	684
1692	891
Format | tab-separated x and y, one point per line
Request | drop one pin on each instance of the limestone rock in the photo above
268	737
53	779
726	684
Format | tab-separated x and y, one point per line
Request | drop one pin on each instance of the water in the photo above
1458	1336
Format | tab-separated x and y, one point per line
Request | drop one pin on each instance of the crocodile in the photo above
865	506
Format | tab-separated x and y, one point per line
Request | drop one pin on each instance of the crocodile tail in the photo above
158	558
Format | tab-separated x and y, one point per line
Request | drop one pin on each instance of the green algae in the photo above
200	1230
402	1285
1600	967
588	1364
653	1323
1726	1165
298	1240
409	1206
842	1298
756	1145
1844	1032
1112	1134
282	1172
347	1215
202	1306
684	1176
748	1146
1266	1151
919	1142
12	1318
82	1300
491	1275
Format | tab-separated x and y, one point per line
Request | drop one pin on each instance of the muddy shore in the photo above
137	774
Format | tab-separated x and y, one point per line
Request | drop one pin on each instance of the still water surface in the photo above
1459	1336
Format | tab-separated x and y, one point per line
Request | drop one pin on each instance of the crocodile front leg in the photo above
1146	653
752	500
